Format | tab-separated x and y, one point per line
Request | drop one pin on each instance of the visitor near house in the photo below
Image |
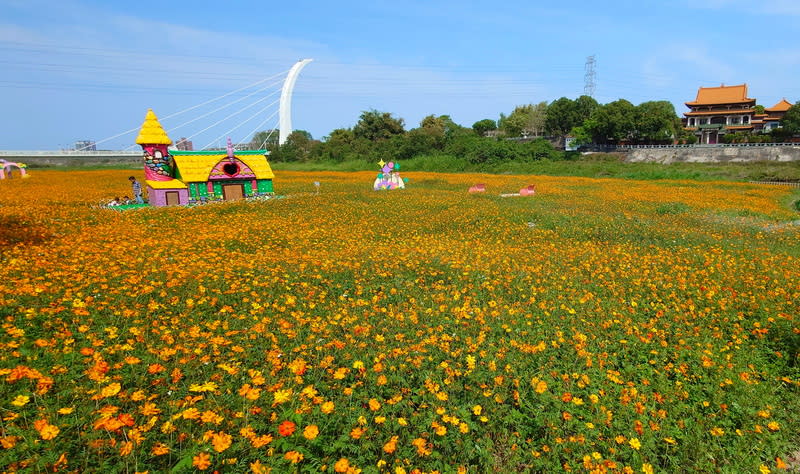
137	190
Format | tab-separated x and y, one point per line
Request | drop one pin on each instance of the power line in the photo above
259	112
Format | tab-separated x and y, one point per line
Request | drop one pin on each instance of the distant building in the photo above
85	145
184	144
717	111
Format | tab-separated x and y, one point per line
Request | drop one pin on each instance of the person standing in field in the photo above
137	189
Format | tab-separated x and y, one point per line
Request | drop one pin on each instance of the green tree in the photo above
564	114
513	125
790	123
298	147
612	122
655	121
482	127
374	125
525	120
266	139
584	107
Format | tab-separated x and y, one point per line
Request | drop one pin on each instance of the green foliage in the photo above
655	122
525	120
374	126
564	115
298	147
266	139
612	122
481	127
672	208
791	121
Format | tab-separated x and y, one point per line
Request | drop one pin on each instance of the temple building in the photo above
717	111
771	118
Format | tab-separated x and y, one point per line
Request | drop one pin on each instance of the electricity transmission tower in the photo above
589	77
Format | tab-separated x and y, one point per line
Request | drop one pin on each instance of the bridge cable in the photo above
253	132
188	109
259	112
223	107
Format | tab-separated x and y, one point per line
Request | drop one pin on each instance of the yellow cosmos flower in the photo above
281	396
49	432
110	390
21	400
204	387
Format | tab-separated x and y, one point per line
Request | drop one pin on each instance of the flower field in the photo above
599	326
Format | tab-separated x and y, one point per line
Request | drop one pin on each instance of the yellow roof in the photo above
197	168
152	133
171	184
721	95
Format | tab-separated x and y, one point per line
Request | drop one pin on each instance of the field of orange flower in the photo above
602	325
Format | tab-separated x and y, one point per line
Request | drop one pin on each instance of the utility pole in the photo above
589	77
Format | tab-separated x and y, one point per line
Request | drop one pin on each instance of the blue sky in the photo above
89	69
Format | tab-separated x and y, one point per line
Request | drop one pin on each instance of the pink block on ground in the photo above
478	188
528	191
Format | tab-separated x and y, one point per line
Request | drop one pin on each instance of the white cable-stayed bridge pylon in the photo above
284	110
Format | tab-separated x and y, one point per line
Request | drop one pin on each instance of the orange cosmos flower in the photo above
357	432
160	449
391	445
286	428
125	448
202	461
311	432
342	465
221	441
293	456
258	468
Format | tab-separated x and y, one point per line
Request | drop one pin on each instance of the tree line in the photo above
530	132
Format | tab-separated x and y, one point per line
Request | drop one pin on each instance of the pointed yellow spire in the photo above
152	133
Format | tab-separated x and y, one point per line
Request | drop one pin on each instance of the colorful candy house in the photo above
176	177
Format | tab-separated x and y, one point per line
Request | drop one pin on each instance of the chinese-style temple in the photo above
717	111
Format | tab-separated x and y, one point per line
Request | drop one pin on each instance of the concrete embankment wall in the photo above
41	161
722	154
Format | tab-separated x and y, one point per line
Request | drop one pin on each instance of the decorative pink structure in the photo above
478	188
526	191
5	169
